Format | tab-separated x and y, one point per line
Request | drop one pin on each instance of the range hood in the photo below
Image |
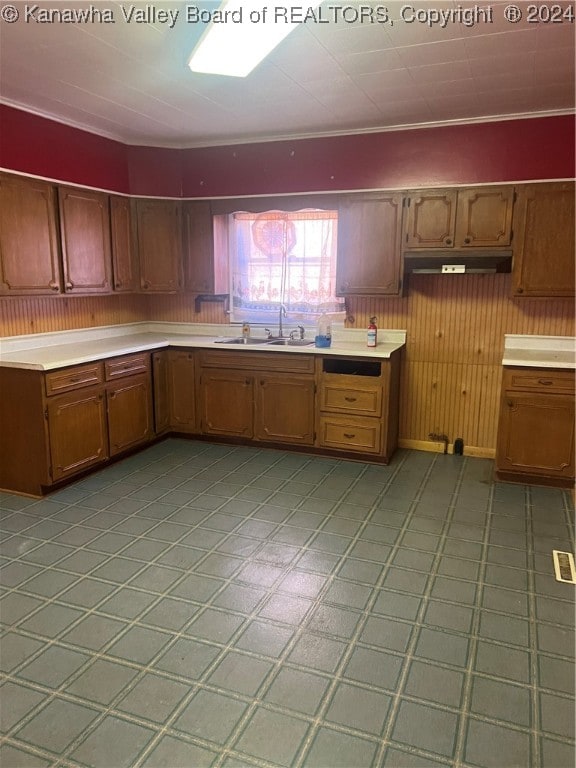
457	262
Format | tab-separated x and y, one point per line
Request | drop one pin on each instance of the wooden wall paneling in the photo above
180	309
60	313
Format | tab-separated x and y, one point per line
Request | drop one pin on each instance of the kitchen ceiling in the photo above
129	80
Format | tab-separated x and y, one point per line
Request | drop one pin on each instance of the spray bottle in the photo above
372	339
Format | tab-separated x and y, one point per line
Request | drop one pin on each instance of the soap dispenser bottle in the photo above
323	332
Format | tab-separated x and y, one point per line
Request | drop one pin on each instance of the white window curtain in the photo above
284	258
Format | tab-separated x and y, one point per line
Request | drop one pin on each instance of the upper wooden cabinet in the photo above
369	234
160	245
465	218
544	240
199	267
124	256
29	257
85	232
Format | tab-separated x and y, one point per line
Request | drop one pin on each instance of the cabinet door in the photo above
182	389
536	434
129	413
369	235
85	232
431	219
199	248
227	403
285	409
161	391
77	431
160	245
484	217
544	240
123	247
29	260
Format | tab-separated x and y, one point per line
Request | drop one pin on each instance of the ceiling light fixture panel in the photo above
241	34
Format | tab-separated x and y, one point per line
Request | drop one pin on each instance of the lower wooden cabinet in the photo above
182	390
77	432
57	424
358	405
537	428
160	390
129	406
284	409
227	403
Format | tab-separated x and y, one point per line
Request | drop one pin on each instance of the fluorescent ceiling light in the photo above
241	34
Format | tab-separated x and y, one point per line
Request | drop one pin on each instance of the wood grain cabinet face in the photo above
484	217
285	409
78	433
544	241
29	254
199	272
182	390
537	425
160	391
85	234
369	245
160	245
124	256
129	406
466	218
227	403
431	219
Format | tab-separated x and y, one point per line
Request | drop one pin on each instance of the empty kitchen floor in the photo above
207	605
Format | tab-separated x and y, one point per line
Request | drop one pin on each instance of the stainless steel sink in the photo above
291	342
241	340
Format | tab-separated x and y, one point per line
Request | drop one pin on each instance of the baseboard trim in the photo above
434	447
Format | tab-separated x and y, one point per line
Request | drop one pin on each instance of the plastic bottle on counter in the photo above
372	336
323	332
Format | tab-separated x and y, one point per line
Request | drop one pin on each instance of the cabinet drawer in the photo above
128	365
362	435
77	377
539	379
363	401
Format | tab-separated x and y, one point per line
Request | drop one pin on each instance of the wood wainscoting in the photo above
452	363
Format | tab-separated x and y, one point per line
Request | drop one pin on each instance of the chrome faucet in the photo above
298	333
281	314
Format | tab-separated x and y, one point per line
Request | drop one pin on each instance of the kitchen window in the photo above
280	258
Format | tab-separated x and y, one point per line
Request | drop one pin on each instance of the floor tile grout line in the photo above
533	650
418	621
461	735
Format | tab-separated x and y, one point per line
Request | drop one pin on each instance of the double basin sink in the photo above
284	342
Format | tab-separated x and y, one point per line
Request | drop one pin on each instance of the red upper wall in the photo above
41	147
510	150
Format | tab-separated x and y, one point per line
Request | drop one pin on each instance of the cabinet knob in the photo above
467	240
69	285
448	241
510	404
145	284
349	435
118	284
520	290
545	382
54	286
350	399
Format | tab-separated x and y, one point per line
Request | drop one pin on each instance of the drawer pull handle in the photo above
350	399
75	379
349	435
545	382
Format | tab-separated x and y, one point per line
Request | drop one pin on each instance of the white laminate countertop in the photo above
540	351
48	351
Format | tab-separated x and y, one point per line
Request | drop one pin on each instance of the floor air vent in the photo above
564	567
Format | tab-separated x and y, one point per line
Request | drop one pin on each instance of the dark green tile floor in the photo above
206	605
